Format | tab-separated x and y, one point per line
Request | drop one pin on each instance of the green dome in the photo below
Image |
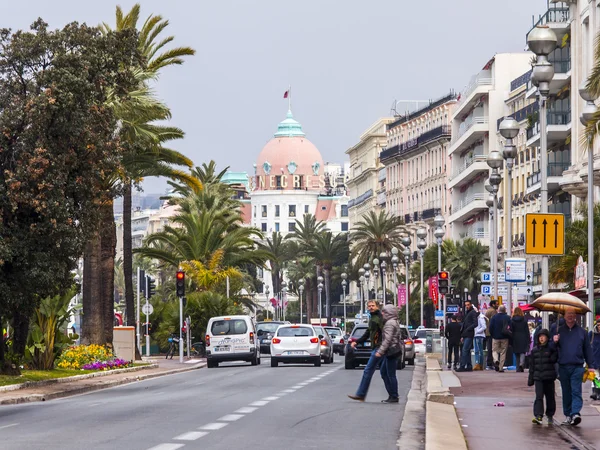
289	127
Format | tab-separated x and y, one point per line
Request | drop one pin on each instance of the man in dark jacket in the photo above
453	331
542	373
467	335
574	350
499	330
374	332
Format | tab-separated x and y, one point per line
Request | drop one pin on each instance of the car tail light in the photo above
341	341
276	341
251	337
408	341
314	340
418	341
207	340
323	342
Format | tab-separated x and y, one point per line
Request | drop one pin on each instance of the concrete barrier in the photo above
443	430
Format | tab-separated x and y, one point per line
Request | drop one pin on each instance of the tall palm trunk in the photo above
309	300
327	276
92	320
108	245
128	256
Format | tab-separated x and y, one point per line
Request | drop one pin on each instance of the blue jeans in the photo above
388	373
479	350
367	375
571	380
465	357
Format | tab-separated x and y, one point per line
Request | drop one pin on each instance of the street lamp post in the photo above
267	295
283	296
422	245
344	284
492	204
382	256
406	241
320	288
361	281
395	261
301	289
495	161
375	277
509	129
586	116
542	41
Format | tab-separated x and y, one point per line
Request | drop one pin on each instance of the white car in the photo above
231	338
337	338
295	344
420	339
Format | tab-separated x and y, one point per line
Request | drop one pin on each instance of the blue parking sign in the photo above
486	290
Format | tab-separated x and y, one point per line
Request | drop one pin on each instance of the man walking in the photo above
467	335
574	350
500	331
491	312
374	333
452	334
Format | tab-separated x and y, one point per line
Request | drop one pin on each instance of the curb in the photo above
412	429
28	384
95	387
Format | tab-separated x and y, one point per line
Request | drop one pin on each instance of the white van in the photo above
231	338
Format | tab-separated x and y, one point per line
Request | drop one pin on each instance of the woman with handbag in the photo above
390	351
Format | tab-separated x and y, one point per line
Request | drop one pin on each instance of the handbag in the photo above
395	349
506	331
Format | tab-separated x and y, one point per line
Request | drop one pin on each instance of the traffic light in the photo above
443	282
142	282
150	286
180	283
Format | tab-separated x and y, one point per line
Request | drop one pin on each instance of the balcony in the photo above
467	206
381	198
559	128
520	81
562	76
474	163
470	131
381	175
399	150
554	171
428	214
557	17
480	84
478	232
360	199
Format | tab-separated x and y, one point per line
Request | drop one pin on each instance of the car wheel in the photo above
212	364
411	362
274	362
254	361
332	358
318	363
258	361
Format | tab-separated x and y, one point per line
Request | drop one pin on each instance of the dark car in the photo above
264	332
362	352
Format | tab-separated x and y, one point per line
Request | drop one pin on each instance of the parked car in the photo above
231	338
338	340
362	352
296	344
409	346
326	344
265	331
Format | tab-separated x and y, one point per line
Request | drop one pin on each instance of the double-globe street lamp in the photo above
301	290
268	301
320	289
395	261
586	117
361	283
344	284
383	256
282	296
495	161
406	241
375	277
542	41
422	245
509	129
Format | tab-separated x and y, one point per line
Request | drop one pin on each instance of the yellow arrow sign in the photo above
545	234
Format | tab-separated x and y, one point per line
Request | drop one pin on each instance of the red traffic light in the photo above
443	275
180	275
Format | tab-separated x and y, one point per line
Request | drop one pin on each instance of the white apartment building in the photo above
413	182
363	180
474	131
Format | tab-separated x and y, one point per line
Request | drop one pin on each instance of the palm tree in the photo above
466	264
306	231
328	250
376	233
562	267
304	268
279	250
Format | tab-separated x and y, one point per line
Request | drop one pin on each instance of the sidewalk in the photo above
65	387
488	427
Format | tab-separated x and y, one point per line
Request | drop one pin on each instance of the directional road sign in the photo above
545	234
525	290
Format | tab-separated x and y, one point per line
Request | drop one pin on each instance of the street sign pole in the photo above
181	330
137	314
147	333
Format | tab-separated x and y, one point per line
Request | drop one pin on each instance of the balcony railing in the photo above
468	124
468	200
360	199
554	118
518	82
477	233
381	198
562	66
483	78
555	169
476	156
413	144
521	114
553	15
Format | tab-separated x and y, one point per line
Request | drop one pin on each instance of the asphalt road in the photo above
232	406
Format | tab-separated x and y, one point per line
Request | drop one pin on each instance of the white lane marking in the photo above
191	436
289	391
95	404
314	379
158	393
281	394
167	447
259	403
231	417
213	426
298	386
198	384
270	398
8	426
302	384
246	410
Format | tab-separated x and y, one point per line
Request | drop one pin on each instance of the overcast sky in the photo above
347	60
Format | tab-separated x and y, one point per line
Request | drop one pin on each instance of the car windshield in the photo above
333	332
294	331
404	333
357	333
319	330
267	327
225	327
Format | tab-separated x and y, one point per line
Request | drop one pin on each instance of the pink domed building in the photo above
290	179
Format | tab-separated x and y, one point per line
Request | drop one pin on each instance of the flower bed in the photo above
90	357
108	365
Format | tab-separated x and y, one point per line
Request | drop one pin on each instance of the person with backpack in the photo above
501	333
542	374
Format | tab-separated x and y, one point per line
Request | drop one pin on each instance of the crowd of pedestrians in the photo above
563	352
